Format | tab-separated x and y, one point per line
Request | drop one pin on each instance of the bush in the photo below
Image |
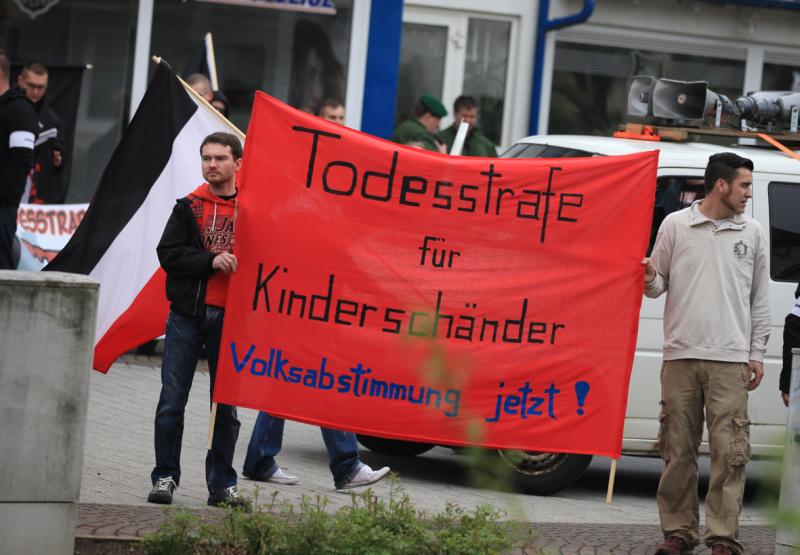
369	525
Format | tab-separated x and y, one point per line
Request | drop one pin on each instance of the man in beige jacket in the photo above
711	260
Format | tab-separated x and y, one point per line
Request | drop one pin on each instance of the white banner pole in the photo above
461	136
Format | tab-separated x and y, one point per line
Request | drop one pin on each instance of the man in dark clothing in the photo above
196	252
791	340
17	139
47	186
423	128
465	108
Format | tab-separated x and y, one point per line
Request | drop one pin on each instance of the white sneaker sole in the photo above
378	475
283	481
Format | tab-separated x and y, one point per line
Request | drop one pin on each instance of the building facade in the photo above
559	66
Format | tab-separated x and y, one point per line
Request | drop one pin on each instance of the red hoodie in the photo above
216	218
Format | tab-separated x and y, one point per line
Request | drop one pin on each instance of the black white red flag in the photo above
156	162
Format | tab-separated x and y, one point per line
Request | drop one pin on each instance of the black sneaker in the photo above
162	491
229	497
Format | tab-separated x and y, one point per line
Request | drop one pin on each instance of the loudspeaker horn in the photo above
640	96
686	100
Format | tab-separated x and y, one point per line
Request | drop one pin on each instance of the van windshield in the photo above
526	150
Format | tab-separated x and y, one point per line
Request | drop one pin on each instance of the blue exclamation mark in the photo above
581	391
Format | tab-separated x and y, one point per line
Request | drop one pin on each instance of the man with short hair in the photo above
196	252
465	108
201	85
711	260
17	140
332	110
424	126
47	185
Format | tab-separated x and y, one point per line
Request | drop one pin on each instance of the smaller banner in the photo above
43	230
311	6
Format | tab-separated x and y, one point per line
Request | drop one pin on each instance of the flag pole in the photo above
211	60
211	424
611	476
202	101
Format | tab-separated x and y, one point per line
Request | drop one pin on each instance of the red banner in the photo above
397	292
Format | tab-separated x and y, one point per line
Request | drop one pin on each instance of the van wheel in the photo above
543	473
395	447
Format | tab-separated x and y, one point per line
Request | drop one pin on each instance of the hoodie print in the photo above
217	233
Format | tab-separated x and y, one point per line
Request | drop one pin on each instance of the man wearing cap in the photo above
465	108
424	126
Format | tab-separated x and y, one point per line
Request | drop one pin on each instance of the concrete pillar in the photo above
788	538
47	322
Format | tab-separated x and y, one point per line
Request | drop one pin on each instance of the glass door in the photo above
448	54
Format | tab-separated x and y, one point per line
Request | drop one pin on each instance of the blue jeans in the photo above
267	438
184	340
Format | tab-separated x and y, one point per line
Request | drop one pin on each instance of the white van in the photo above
775	203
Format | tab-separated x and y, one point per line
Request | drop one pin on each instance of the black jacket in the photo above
187	264
48	185
17	137
791	339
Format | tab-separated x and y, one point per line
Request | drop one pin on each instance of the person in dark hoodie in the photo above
47	185
17	140
196	252
791	340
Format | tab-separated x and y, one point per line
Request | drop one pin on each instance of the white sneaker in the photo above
280	477
364	477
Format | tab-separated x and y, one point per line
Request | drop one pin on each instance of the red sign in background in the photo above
396	292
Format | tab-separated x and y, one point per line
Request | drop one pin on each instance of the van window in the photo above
784	231
673	193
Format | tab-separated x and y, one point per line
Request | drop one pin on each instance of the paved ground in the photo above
119	456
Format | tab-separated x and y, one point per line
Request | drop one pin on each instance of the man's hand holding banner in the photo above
396	292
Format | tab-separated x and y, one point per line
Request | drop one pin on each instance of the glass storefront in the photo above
590	82
448	53
76	33
299	58
779	77
486	70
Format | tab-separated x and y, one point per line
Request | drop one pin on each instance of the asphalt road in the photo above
119	457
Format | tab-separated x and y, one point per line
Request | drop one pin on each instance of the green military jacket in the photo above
413	130
477	144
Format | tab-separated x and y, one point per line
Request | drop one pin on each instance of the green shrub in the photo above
370	525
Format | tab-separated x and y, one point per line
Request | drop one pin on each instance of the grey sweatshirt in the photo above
717	285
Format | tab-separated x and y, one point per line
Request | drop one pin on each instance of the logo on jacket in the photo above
740	249
35	7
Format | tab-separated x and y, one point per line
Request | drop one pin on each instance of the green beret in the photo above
434	105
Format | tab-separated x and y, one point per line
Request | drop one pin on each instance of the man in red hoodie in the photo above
196	252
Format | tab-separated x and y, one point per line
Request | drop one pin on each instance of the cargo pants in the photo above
687	387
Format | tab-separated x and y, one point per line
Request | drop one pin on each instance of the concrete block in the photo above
37	528
47	324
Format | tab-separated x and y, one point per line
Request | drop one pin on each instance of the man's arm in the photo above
656	275
176	252
21	124
759	310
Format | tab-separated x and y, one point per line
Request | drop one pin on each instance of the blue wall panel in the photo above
383	61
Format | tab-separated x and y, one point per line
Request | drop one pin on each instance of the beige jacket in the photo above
718	286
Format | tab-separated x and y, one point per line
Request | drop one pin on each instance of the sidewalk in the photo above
108	529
